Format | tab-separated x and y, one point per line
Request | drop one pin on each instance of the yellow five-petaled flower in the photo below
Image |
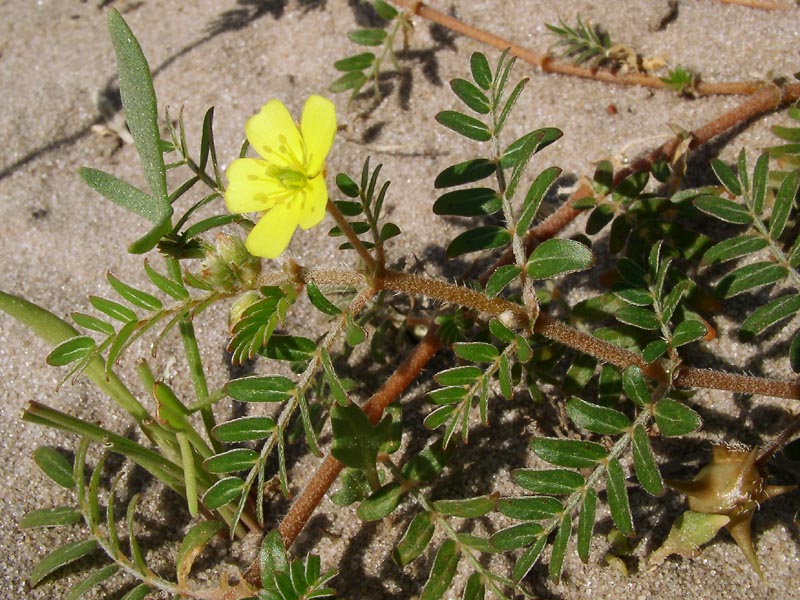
287	183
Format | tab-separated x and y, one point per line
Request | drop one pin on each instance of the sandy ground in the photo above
59	238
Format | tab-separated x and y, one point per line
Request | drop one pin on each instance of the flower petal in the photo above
314	202
250	189
273	134
274	231
318	126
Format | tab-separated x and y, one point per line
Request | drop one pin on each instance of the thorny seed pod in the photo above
732	485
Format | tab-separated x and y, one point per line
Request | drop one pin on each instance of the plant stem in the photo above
550	65
369	262
764	100
194	360
319	484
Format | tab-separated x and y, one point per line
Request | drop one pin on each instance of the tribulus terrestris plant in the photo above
608	381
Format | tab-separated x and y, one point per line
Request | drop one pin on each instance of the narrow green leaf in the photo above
735	247
385	10
447	395
688	331
477	239
466	375
289	347
438	417
481	71
60	557
469	127
273	388
414	541
511	102
138	593
468	171
552	482
356	441
586	523
167	285
516	536
644	461
794	353
595	418
635	386
381	503
759	190
470	95
475	589
469	508
442	572
192	545
347	186
388	231
134	296
723	209
222	492
529	508
575	454
426	465
70	350
115	310
528	559
501	278
359	62
469	202
534	197
558	257
367	37
504	377
231	461
675	419
601	216
618	498
770	314
530	143
50	517
560	542
93	323
480	352
501	332
750	277
637	316
123	194
784	201
726	176
55	466
94	578
272	557
654	350
319	300
673	298
244	429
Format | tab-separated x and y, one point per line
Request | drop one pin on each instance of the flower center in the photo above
290	178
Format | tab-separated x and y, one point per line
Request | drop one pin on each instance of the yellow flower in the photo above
287	183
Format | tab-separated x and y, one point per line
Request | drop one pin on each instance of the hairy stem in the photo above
764	100
550	65
319	484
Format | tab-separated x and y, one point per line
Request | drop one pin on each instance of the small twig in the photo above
319	484
759	4
550	65
766	99
779	442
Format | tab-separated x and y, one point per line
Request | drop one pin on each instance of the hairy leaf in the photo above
644	461
516	536
575	454
60	557
414	541
618	498
675	419
595	418
558	257
442	572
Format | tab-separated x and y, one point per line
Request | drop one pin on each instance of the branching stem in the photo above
550	65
